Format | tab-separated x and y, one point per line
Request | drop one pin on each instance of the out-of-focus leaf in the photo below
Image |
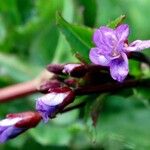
9	8
66	118
47	9
16	69
89	11
2	31
142	92
125	130
63	52
96	109
135	68
116	22
51	134
79	37
43	46
25	9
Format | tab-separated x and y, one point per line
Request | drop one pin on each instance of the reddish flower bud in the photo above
44	87
55	68
75	70
15	124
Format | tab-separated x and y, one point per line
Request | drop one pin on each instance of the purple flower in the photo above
112	49
53	102
16	124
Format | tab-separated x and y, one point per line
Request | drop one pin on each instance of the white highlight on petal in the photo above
53	98
98	58
119	68
102	60
9	121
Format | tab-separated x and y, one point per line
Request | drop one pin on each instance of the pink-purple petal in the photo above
138	45
122	32
105	39
98	38
98	58
119	68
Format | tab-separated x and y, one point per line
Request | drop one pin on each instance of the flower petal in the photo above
105	38
98	58
10	133
46	111
119	68
9	121
122	32
138	45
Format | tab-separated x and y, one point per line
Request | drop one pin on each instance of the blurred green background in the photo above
30	39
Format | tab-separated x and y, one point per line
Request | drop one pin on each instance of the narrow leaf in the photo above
116	22
79	37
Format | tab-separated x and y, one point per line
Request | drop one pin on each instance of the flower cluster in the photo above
112	49
111	53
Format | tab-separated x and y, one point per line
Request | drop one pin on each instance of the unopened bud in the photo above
52	103
55	68
75	70
44	87
15	124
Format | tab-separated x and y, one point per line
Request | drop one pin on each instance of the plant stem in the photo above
16	91
111	87
23	89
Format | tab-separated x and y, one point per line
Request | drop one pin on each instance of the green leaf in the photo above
116	22
125	130
63	52
89	12
79	37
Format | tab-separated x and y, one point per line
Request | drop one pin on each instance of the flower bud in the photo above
75	70
52	103
71	82
44	87
15	124
55	68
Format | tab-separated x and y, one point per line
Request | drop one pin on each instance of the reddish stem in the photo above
16	91
112	87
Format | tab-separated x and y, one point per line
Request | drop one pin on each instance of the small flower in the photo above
15	124
112	49
53	102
